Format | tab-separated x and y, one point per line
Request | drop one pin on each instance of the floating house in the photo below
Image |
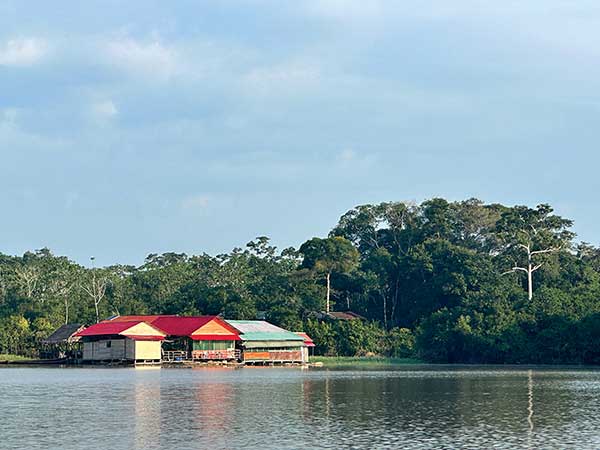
169	338
135	341
63	343
308	344
264	343
196	338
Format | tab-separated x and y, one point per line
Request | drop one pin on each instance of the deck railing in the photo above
175	355
212	355
199	355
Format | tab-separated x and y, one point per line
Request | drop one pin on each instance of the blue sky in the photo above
135	127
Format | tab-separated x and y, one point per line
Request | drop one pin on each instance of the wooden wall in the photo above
274	355
147	350
120	349
101	351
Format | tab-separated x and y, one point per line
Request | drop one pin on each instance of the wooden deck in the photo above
181	356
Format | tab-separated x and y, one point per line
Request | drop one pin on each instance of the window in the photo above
213	345
108	344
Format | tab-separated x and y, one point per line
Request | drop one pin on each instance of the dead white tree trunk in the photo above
29	277
328	292
531	267
96	291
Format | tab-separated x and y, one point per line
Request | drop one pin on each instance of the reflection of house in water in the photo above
147	409
214	404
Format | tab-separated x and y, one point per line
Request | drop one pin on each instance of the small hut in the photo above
308	344
343	315
137	342
265	343
63	343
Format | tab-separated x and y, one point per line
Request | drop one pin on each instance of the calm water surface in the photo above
403	407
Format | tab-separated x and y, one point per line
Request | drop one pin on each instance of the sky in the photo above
137	127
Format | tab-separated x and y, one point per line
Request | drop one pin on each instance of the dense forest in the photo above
441	281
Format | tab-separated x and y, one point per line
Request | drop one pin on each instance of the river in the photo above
280	408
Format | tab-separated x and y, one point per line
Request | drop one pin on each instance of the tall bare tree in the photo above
96	289
530	236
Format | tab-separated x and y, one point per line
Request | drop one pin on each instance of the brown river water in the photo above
293	408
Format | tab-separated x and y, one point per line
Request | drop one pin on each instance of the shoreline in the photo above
327	361
315	362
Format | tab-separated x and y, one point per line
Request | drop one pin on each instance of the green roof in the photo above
272	344
259	330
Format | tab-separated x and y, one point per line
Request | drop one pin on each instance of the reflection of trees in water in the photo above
224	408
530	407
530	399
445	404
147	409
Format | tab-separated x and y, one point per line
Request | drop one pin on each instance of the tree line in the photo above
443	281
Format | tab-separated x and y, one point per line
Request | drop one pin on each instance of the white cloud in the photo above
195	203
287	76
22	52
153	59
8	115
346	155
348	158
105	109
70	199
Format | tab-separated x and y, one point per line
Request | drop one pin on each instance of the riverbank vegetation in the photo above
441	281
13	358
362	361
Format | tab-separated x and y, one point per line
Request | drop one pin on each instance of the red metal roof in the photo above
106	328
147	319
113	328
179	326
307	339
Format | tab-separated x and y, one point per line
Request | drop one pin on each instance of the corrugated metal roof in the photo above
65	333
307	339
273	344
259	330
347	315
177	326
114	328
137	318
181	326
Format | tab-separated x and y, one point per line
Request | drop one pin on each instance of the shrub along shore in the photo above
361	361
13	358
445	282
